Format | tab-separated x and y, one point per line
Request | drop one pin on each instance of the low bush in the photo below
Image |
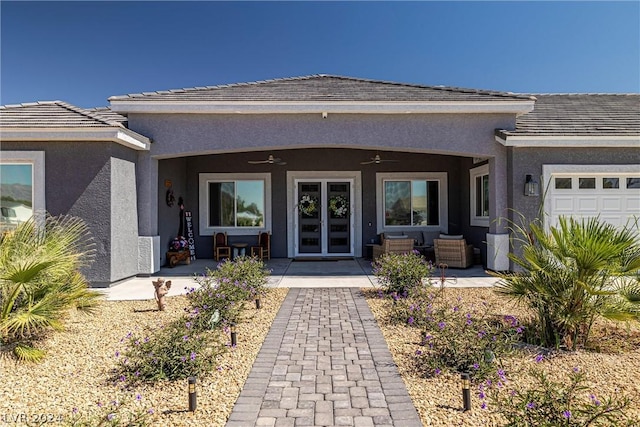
175	351
125	409
457	336
400	273
548	403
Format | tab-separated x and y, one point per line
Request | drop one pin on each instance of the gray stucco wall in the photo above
176	135
81	180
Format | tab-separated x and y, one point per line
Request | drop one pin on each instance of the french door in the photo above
324	217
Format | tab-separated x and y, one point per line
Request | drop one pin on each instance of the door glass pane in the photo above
397	201
633	182
587	183
250	203
563	183
419	202
16	191
610	183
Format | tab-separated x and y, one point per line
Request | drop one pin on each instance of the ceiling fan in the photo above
377	160
270	161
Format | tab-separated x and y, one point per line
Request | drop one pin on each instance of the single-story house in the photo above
324	163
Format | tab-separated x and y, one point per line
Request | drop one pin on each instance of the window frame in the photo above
204	179
443	205
478	172
37	161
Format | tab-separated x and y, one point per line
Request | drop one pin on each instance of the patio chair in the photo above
455	253
390	245
221	247
264	246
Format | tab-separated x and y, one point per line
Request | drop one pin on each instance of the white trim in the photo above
356	206
301	107
203	208
570	141
443	201
477	221
121	136
37	160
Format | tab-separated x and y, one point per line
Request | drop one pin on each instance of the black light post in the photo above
192	394
466	392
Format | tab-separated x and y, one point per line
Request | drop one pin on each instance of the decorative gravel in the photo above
76	370
614	371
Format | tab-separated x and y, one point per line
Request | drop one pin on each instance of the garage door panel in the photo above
633	204
611	204
563	204
587	204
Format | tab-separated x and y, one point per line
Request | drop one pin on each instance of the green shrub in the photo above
549	403
40	280
400	273
457	336
571	275
175	351
222	294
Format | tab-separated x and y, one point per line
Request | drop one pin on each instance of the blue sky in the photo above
84	52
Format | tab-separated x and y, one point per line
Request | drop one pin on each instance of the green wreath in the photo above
308	205
339	206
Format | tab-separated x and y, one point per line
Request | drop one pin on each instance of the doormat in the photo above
321	259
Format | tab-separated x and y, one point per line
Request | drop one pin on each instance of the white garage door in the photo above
613	196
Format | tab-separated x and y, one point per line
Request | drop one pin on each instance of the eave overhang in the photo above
125	106
120	136
612	141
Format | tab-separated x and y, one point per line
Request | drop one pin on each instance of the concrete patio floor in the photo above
285	272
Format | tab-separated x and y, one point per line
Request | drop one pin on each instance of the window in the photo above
411	203
633	182
587	183
21	187
563	183
610	183
233	203
479	196
411	200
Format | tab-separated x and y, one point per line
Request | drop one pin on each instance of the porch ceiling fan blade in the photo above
270	160
377	160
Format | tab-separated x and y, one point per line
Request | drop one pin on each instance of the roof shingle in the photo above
322	87
580	115
56	114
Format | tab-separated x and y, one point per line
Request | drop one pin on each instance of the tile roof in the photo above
109	114
580	115
56	114
322	88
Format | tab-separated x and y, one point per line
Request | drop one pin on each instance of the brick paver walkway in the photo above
324	363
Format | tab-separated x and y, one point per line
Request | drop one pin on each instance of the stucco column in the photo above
148	238
498	237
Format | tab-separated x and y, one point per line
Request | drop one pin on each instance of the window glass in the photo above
610	183
16	194
586	183
411	203
397	202
482	196
236	204
563	183
633	182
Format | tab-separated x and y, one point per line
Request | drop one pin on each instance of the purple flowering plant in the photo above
548	403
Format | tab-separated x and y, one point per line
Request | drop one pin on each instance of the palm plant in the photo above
40	280
574	273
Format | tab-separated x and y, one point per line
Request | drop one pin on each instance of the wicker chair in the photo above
454	253
264	246
221	247
393	246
